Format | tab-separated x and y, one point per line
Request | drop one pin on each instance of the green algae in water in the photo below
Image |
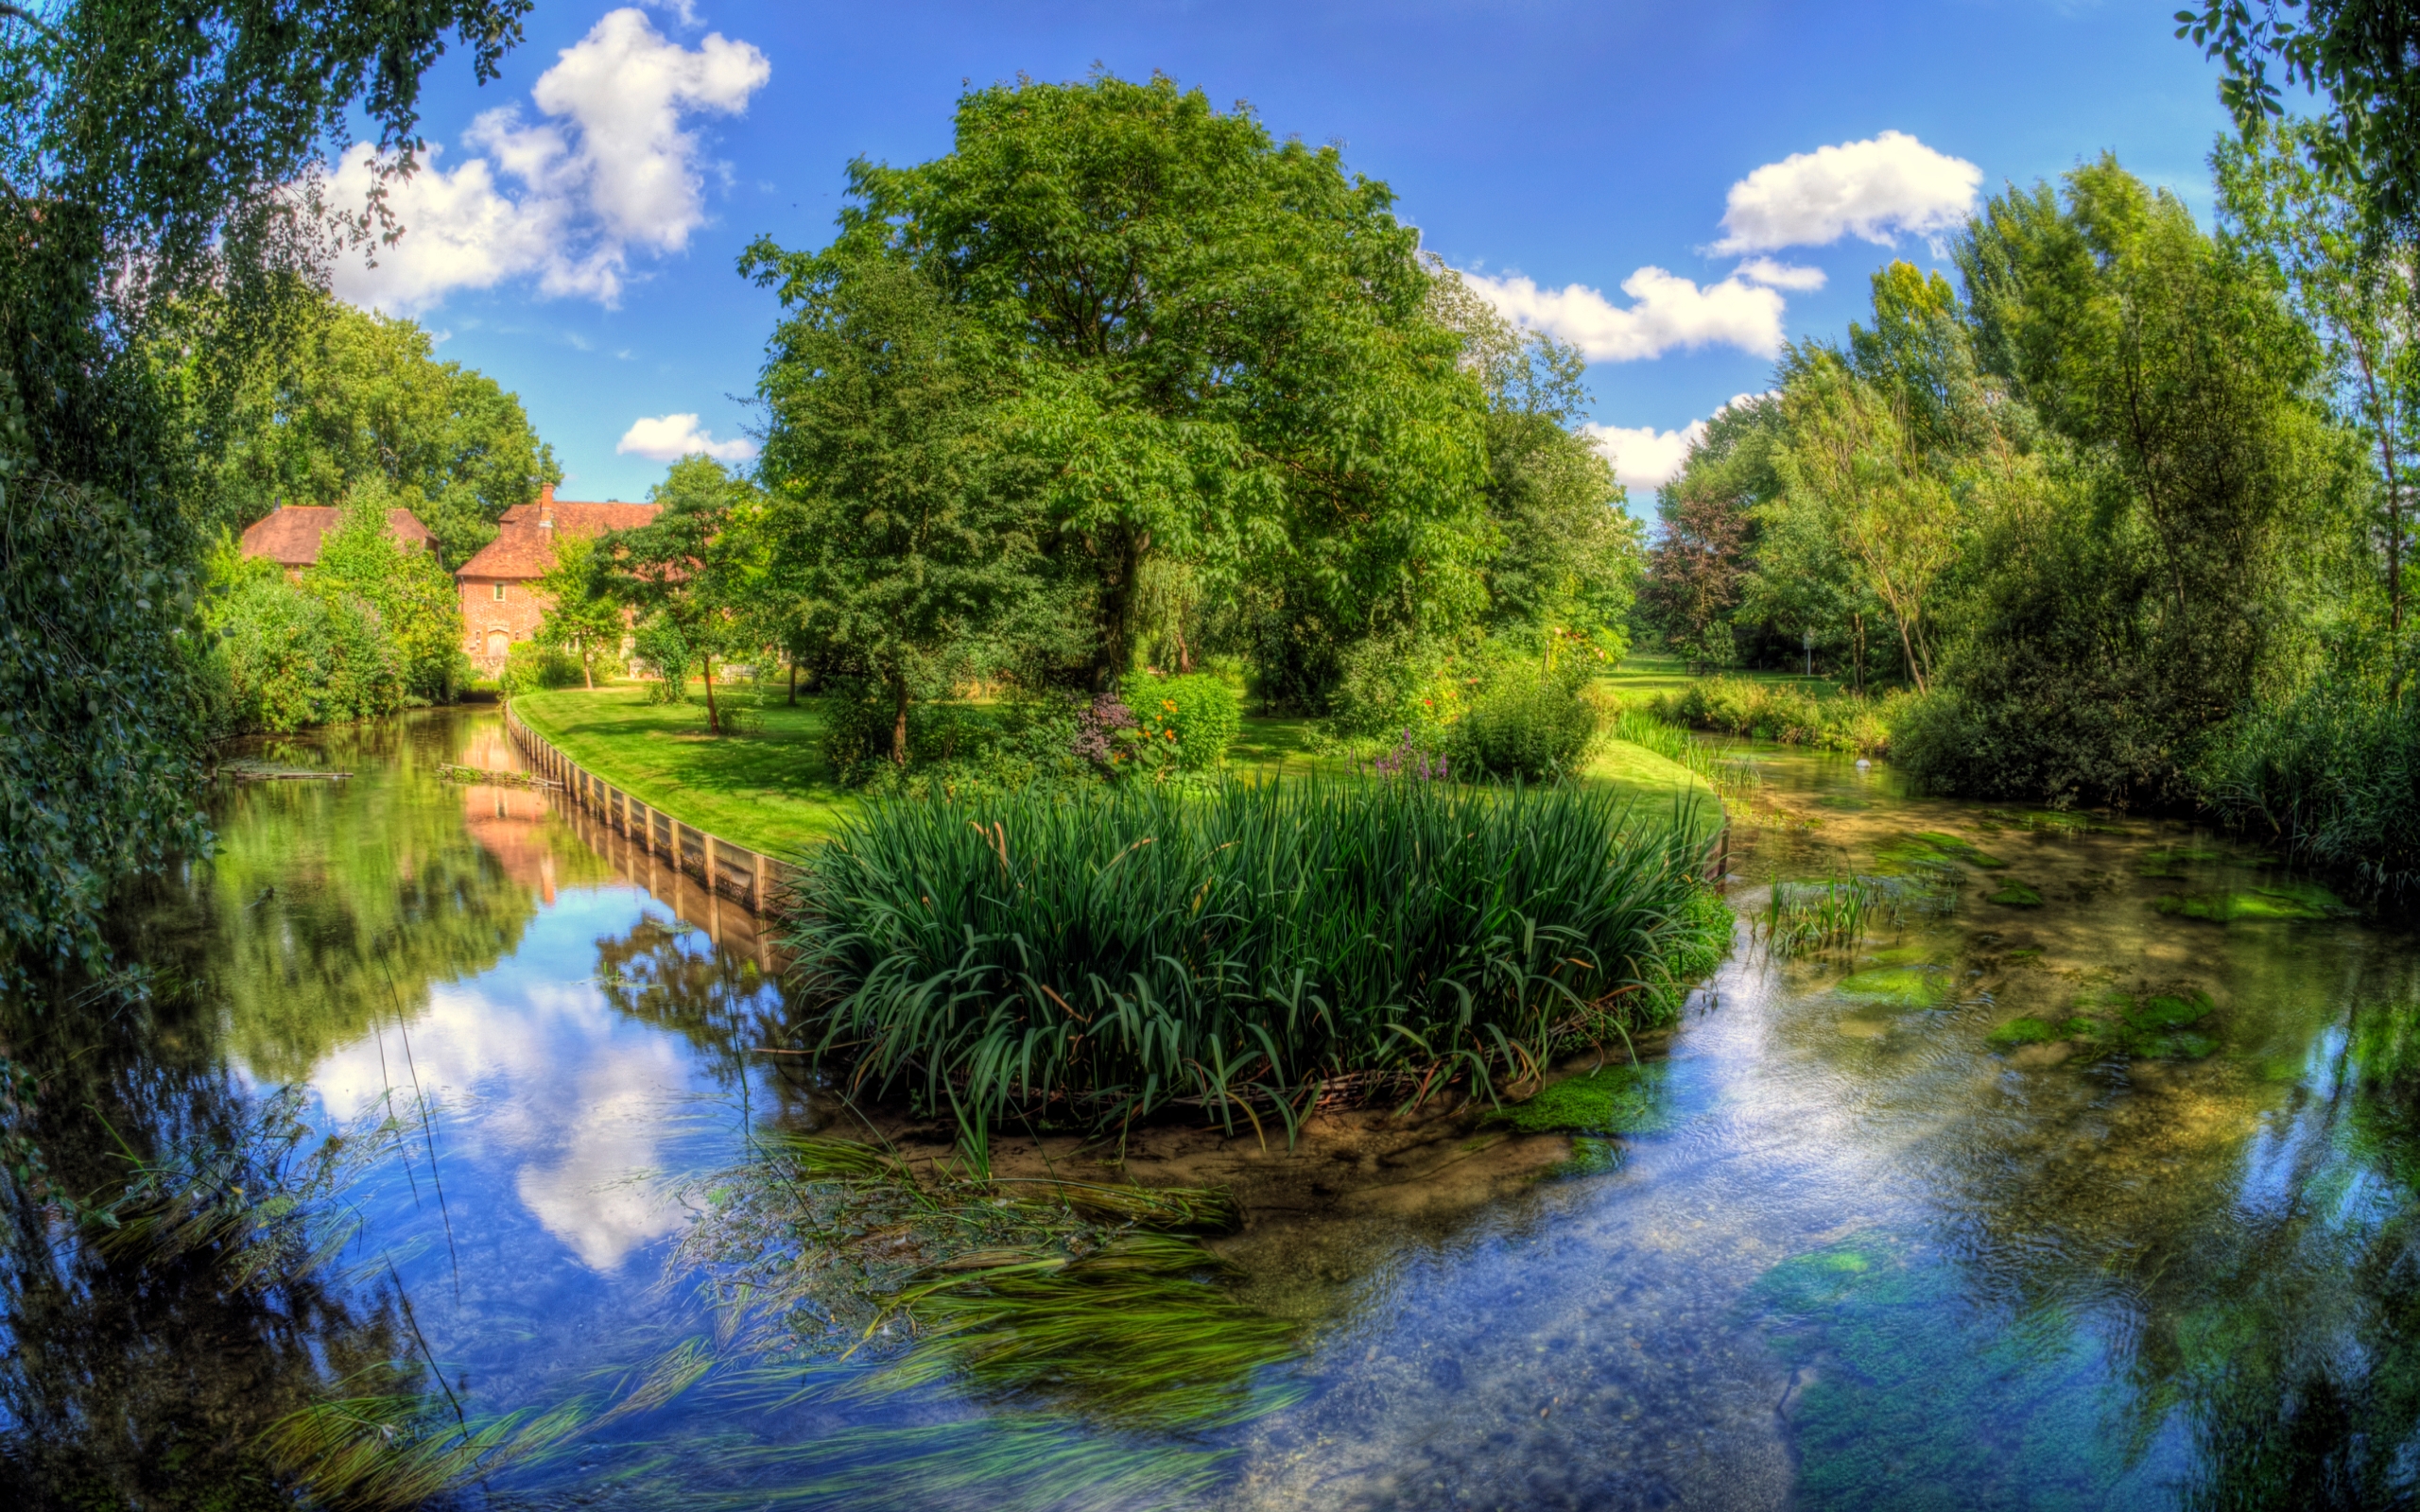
1907	1401
1909	986
2170	863
1589	1156
1958	849
2014	894
2025	1032
1613	1099
2285	900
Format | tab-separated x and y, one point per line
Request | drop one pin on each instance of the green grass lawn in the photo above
1644	674
772	790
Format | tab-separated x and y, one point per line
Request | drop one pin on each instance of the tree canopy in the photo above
1188	343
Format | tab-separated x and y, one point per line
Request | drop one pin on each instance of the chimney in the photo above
545	506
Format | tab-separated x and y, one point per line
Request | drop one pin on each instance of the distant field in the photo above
772	790
1644	674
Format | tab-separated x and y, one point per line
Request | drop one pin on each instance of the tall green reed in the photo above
1100	954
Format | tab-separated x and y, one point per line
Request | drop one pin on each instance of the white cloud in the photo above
1876	189
1667	311
1646	458
670	437
1779	275
608	170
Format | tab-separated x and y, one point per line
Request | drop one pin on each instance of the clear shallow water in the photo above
1875	1260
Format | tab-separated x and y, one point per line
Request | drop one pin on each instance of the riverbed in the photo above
2084	1178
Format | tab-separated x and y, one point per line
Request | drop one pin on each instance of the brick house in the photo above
290	535
501	604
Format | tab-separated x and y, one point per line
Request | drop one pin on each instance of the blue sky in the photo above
577	232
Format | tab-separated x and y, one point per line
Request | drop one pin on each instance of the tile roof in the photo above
290	535
580	519
523	549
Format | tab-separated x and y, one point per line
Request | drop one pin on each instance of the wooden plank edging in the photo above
749	878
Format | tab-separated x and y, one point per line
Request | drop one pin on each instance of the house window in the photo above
499	593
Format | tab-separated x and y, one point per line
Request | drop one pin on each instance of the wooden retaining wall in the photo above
750	877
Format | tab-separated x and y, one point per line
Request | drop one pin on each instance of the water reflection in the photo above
1874	1250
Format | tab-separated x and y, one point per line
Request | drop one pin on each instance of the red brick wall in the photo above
484	616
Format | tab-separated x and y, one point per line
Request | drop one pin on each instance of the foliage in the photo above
371	627
660	648
585	626
1693	572
1180	338
1194	718
402	591
292	659
2356	52
1398	685
896	545
1107	950
686	569
1778	711
2141	587
360	398
151	256
2334	772
530	665
1526	723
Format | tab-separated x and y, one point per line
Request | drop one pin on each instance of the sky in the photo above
1678	189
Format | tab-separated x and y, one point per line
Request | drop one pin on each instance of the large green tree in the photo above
152	248
1210	346
2151	583
361	396
688	567
900	538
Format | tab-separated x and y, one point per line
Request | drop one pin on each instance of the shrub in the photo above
659	646
1527	723
291	659
1391	684
1778	711
1108	950
528	666
953	747
2335	772
1195	718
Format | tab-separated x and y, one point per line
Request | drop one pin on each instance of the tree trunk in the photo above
714	719
793	684
586	676
1116	620
899	725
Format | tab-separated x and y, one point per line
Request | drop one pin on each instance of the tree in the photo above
686	566
362	396
1205	344
2351	278
2358	54
1566	555
1693	572
583	624
901	533
151	245
1851	461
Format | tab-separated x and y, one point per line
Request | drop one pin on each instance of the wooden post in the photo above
756	883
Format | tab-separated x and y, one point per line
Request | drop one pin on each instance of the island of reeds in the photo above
1086	956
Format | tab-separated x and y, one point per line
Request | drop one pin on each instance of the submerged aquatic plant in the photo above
822	1252
2281	900
2143	1025
1841	912
1256	949
1620	1098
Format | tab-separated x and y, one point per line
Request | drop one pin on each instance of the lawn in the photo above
771	791
1644	674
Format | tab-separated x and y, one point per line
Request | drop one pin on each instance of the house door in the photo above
497	642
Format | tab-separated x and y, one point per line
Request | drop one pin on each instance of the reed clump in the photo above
1096	954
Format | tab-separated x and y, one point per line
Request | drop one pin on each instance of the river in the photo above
2086	1180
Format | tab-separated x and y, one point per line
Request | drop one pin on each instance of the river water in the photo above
2085	1179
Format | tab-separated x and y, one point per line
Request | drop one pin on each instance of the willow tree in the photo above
153	251
1202	344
